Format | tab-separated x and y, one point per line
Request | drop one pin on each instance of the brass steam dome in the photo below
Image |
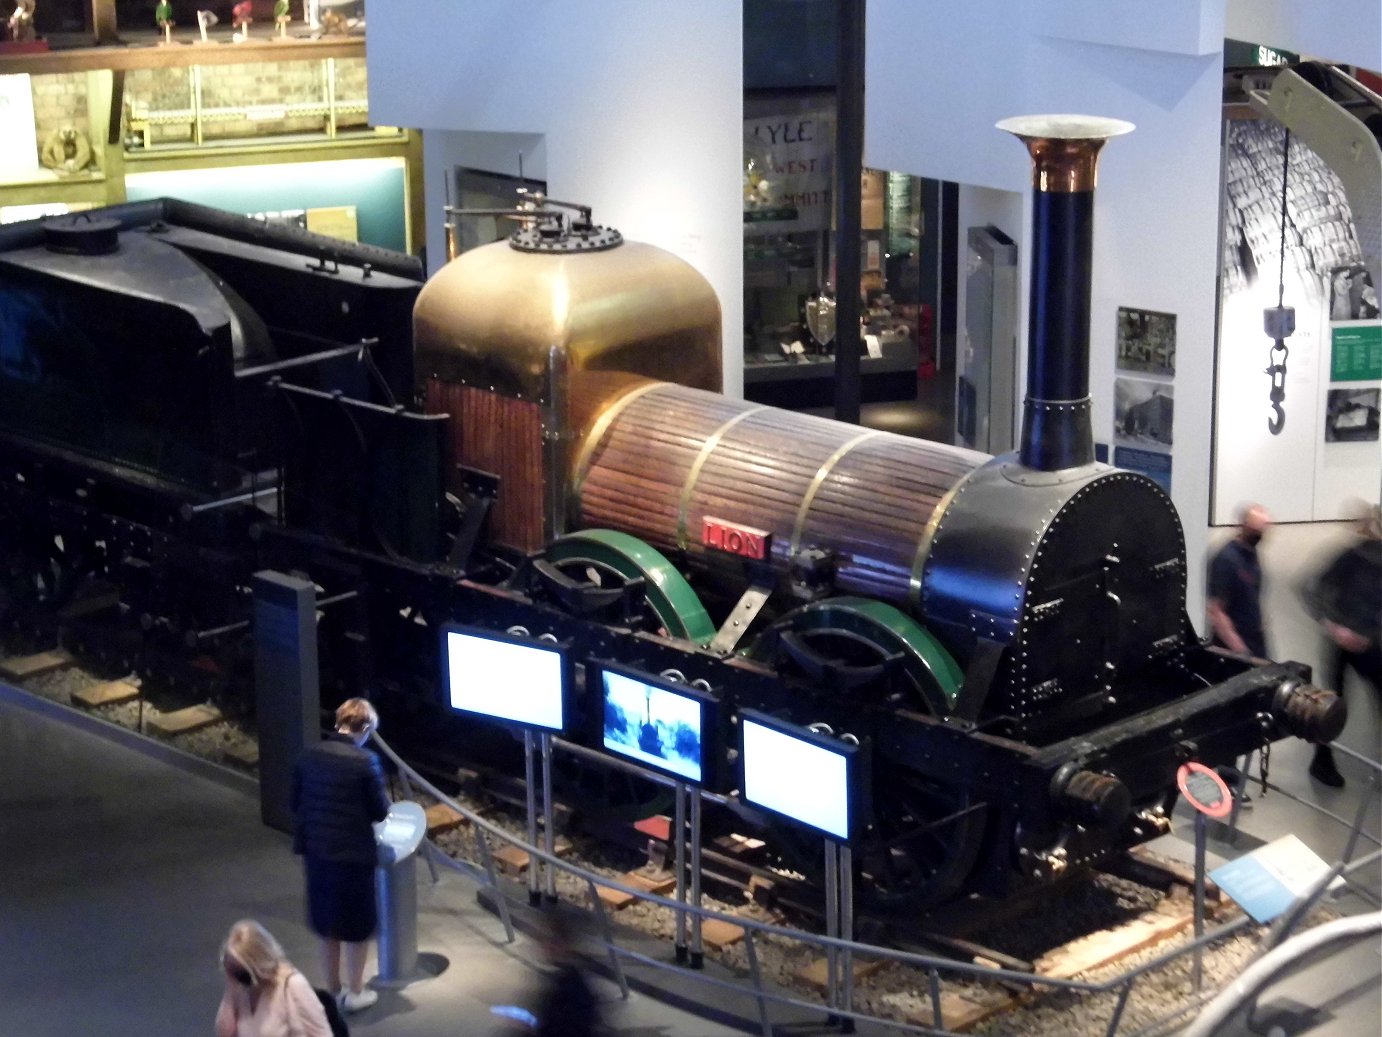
528	317
527	343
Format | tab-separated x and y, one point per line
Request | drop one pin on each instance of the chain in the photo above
1264	763
1276	365
1281	266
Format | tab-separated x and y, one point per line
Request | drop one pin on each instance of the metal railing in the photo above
933	967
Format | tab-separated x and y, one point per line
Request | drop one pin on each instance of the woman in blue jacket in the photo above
338	794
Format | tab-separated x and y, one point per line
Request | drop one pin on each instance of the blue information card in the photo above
1265	882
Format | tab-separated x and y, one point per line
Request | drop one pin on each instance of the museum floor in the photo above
121	869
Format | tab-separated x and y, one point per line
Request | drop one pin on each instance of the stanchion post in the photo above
487	862
846	856
1197	975
530	779
697	949
679	852
750	948
549	820
832	922
933	979
1364	804
607	934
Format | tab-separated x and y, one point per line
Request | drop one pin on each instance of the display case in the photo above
209	105
106	122
789	260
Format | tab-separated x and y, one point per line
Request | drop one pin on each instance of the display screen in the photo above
505	677
651	720
803	776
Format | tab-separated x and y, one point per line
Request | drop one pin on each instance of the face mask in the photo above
239	974
1251	537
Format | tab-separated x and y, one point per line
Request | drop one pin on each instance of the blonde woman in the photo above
338	792
265	995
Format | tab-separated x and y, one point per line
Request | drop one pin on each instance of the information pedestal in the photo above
395	887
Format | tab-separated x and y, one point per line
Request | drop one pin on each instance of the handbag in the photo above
334	1018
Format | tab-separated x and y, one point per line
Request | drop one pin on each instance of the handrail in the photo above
767	928
1253	980
932	965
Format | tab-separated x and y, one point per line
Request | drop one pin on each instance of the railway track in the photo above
1087	922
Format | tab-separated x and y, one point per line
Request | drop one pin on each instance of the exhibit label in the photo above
1356	355
792	156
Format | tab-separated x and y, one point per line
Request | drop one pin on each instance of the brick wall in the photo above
237	86
351	85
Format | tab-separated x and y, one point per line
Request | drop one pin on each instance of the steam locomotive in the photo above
536	437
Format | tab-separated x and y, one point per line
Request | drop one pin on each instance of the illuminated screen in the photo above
520	681
797	778
655	726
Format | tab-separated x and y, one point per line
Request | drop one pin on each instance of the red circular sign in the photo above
1204	790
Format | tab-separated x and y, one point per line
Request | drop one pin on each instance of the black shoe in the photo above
1323	770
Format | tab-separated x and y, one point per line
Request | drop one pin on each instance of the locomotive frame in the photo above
1018	654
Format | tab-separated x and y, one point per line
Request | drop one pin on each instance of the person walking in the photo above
1235	588
566	1006
265	996
1345	599
338	794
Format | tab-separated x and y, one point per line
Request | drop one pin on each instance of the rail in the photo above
933	967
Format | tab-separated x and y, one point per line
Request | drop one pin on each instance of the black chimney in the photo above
1056	430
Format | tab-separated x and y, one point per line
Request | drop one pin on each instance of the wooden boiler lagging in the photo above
666	457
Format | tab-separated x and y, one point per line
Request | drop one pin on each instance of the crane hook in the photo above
1277	371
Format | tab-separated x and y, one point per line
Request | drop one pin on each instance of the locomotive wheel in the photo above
917	853
612	560
923	843
925	837
863	645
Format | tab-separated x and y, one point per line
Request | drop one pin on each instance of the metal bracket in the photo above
745	611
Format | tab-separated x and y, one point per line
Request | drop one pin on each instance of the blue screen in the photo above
653	725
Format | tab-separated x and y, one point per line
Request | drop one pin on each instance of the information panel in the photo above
806	777
507	678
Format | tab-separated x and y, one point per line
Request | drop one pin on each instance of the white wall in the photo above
634	107
1345	31
940	75
1156	212
443	150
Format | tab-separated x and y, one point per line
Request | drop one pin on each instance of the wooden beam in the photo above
181	55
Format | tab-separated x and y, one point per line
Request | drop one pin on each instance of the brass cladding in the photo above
1061	166
670	456
500	320
1064	148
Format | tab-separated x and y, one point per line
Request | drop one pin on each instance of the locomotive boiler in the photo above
536	437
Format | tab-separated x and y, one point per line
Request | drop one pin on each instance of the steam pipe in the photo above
1056	429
